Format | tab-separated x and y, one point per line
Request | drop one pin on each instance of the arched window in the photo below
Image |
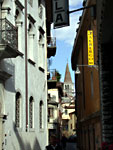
18	22
31	39
17	12
67	87
31	113
41	114
18	109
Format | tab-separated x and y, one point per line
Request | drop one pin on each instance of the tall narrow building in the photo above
68	84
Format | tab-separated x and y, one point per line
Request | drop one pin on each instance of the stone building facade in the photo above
23	75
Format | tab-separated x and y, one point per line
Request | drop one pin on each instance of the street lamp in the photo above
78	70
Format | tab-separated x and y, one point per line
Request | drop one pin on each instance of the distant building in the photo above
72	123
68	104
61	105
69	119
54	108
53	111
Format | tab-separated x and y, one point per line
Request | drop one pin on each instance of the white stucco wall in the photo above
66	115
54	92
36	138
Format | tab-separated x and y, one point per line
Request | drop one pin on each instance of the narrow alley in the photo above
56	75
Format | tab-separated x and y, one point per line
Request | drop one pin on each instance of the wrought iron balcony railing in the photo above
8	34
51	45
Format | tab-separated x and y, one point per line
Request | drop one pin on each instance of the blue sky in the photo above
64	39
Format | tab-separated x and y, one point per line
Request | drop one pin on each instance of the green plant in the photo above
58	75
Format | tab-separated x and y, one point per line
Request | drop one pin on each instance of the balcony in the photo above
8	40
51	46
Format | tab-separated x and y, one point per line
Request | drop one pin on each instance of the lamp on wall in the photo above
78	70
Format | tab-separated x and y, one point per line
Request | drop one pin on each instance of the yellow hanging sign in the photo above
90	47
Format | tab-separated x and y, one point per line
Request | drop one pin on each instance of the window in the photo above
17	13
51	112
41	114
18	21
31	101
67	87
65	94
66	112
41	51
71	126
53	98
40	11
31	46
41	56
17	109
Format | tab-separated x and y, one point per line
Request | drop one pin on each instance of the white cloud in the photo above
73	3
67	34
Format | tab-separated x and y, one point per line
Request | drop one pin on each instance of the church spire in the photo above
67	75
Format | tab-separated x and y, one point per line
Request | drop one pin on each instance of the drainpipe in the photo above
26	67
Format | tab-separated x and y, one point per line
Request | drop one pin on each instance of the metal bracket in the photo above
86	7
